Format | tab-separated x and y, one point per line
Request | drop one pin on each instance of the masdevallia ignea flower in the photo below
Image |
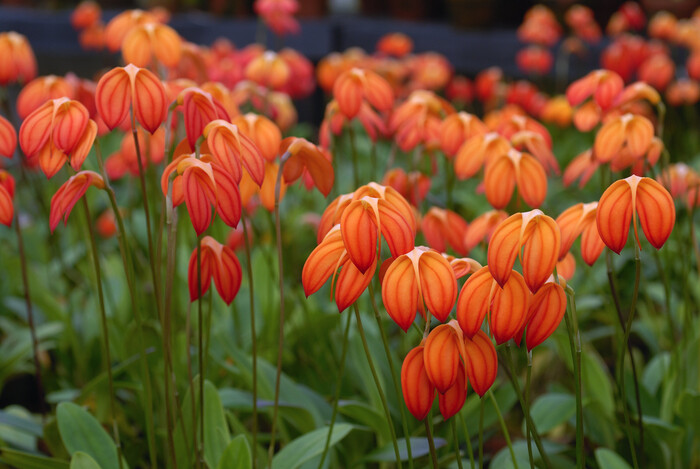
147	41
534	238
631	132
233	150
627	198
217	261
547	309
199	109
603	85
262	131
458	128
419	280
418	391
478	151
303	155
7	194
482	227
41	89
515	168
356	85
443	355
576	221
17	61
442	227
69	193
481	361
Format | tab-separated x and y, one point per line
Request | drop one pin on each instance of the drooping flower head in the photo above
217	261
69	193
17	61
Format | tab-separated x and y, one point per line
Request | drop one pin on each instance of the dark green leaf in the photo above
308	446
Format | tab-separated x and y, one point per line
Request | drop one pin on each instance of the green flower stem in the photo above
504	429
431	443
129	273
105	331
470	451
455	436
575	344
337	390
253	336
481	432
397	388
200	348
280	342
370	362
527	402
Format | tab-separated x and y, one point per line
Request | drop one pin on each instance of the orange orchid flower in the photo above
7	194
546	311
638	91
8	138
395	45
148	40
130	87
482	227
119	26
632	132
603	85
457	129
506	306
482	362
487	84
262	131
511	169
223	95
325	261
268	70
442	227
39	90
266	191
69	193
417	280
454	398
678	178
536	145
218	261
199	110
582	166
478	151
587	116
335	121
58	129
578	220
683	91
462	266
444	348
17	61
557	111
627	198
355	85
106	224
233	150
534	238
302	154
418	390
413	186
418	120
86	14
566	267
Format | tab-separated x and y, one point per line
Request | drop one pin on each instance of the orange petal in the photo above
36	129
609	140
474	301
614	215
400	292
541	252
441	357
113	97
418	391
546	312
82	148
397	230
322	262
150	101
228	197
504	247
499	182
509	308
591	244
639	133
482	362
200	195
227	275
438	284
351	283
359	228
8	138
205	272
453	399
532	180
657	213
70	121
347	92
7	209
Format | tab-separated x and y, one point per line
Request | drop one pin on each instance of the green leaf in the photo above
551	410
688	409
609	459
366	415
216	434
30	461
419	447
80	431
308	446
236	455
82	460
596	382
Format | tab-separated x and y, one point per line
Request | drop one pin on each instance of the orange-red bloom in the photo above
262	131
631	132
8	138
458	128
546	311
7	194
233	150
69	193
418	390
534	238
582	166
418	280
482	362
515	168
627	198
130	87
41	89
478	151
119	26
577	220
419	120
218	261
268	70
86	14
442	227
603	85
444	348
414	186
199	109
303	154
145	41
17	61
395	45
482	227
355	85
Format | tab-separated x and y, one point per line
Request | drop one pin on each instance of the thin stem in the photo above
431	443
254	340
353	151
576	362
280	342
190	377
200	348
144	194
466	437
455	436
527	402
105	331
504	429
382	397
129	273
337	390
481	432
508	367
397	388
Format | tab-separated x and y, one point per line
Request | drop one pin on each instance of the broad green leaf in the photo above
30	461
22	422
216	433
308	446
608	459
419	447
596	382
82	460
17	429
366	415
656	371
599	426
80	431
236	455
551	410
688	409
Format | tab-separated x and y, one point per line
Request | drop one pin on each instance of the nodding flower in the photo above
395	45
419	280
515	168
482	227
627	198
418	120
506	306
18	63
479	151
458	128
304	155
603	85
443	227
119	26
59	129
218	261
69	193
8	138
443	355
131	87
546	311
41	89
482	362
7	194
630	132
534	238
356	85
147	41
418	390
580	220
413	186
199	109
262	131
233	150
269	70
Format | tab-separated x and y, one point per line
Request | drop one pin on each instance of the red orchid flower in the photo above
442	227
7	194
355	85
231	148
302	154
515	168
147	41
218	261
69	193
